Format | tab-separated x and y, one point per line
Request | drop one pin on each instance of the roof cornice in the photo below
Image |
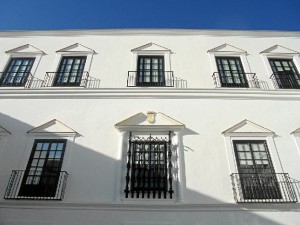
155	32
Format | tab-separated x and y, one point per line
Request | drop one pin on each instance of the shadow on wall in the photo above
92	179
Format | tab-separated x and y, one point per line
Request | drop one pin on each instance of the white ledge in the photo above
155	93
295	207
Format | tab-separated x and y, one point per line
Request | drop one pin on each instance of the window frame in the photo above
68	83
26	189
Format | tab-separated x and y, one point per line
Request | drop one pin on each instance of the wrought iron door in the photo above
17	72
150	71
257	175
43	169
70	71
231	72
285	73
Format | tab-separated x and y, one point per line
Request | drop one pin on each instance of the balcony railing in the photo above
62	79
157	79
15	79
44	187
263	188
286	81
235	80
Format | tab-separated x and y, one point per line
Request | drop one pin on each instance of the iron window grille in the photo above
231	72
17	73
43	178
285	74
149	167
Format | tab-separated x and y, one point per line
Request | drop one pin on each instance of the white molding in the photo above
154	93
179	32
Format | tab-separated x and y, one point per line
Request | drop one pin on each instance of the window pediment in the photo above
151	47
278	49
247	128
150	121
26	49
76	48
226	48
53	127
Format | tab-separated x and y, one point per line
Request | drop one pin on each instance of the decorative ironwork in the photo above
53	190
162	79
235	79
149	167
15	79
61	79
263	188
285	80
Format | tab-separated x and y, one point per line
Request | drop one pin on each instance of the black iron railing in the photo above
235	79
15	79
263	188
48	186
150	79
63	79
149	168
286	81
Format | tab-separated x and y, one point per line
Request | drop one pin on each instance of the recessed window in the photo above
285	73
17	72
231	72
149	168
150	71
256	172
70	71
43	173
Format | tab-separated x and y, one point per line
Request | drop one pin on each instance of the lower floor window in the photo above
256	172
149	167
43	171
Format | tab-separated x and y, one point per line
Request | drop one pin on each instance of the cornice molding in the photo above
154	32
154	93
150	207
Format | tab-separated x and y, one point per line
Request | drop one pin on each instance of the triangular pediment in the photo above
156	121
150	47
76	48
278	49
227	48
246	127
53	127
26	49
296	132
4	132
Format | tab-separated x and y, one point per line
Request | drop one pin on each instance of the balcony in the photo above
150	79
62	79
235	80
47	186
15	79
263	188
285	81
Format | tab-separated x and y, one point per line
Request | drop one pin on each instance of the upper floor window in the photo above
283	65
285	73
150	67
150	71
230	67
70	71
231	72
17	72
72	68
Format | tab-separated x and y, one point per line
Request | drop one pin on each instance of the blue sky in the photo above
190	14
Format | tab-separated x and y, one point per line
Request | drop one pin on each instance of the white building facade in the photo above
149	127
